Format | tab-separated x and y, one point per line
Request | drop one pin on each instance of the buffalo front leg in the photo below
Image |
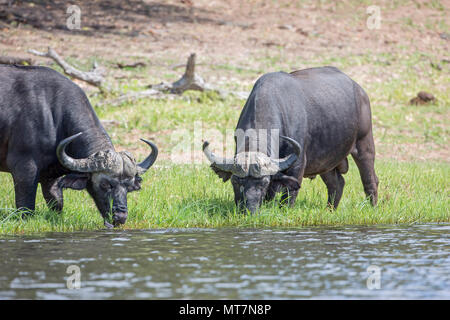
52	194
26	177
272	191
288	193
364	156
288	197
335	184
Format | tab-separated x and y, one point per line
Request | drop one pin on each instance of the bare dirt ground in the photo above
243	35
232	30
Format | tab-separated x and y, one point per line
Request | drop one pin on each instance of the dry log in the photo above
93	77
16	60
181	65
192	81
189	81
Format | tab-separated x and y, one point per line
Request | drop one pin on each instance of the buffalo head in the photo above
107	175
254	175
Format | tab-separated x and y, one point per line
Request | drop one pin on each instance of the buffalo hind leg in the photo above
52	194
26	177
335	184
364	156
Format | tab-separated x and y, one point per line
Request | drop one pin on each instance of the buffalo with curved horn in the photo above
50	134
252	172
327	117
256	164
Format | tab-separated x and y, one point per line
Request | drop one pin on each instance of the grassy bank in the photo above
401	131
236	42
184	196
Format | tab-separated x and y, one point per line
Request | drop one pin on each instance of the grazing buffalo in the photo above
49	134
311	121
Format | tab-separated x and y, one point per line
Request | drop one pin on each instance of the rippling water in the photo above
324	263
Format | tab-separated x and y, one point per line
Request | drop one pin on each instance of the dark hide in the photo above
328	114
38	109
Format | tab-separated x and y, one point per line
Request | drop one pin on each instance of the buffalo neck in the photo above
94	138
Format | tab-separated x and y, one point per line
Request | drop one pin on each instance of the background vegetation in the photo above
236	42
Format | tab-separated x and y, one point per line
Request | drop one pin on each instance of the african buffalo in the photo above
49	134
321	116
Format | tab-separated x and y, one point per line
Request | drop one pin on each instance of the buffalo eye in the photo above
137	183
105	185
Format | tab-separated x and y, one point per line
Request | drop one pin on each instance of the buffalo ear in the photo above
224	175
286	181
76	181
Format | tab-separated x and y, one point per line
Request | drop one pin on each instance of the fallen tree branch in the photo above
93	77
189	81
16	60
192	81
181	65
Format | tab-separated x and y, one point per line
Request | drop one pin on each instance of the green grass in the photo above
192	196
185	196
390	79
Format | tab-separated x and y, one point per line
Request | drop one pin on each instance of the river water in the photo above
382	262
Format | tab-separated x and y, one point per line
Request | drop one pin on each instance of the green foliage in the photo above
188	196
192	196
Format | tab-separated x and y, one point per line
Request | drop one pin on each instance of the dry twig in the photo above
93	77
189	81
